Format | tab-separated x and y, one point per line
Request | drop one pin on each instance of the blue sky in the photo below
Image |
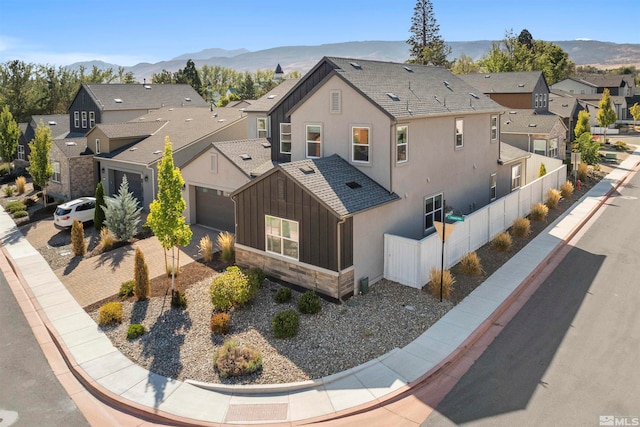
60	32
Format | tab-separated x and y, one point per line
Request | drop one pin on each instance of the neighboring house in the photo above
410	136
543	134
516	165
58	123
238	104
618	103
567	107
118	103
520	90
72	164
213	174
575	86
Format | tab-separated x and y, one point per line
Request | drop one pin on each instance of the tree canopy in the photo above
606	115
9	134
39	166
426	44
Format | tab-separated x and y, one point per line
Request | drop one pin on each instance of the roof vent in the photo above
565	105
215	115
245	157
532	125
133	148
266	144
171	109
118	100
446	83
513	112
271	96
70	143
474	95
409	70
220	120
52	123
188	120
307	169
353	185
157	152
188	99
356	65
393	96
487	76
520	84
147	87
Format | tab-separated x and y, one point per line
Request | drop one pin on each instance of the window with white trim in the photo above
493	183
20	152
92	119
459	133
84	120
282	237
76	119
516	172
544	99
494	128
402	144
56	172
540	146
213	163
314	141
97	146
285	138
336	101
432	211
360	138
536	100
262	127
553	147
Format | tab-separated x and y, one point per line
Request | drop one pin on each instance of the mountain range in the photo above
303	58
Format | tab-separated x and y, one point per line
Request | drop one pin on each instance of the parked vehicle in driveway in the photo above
81	209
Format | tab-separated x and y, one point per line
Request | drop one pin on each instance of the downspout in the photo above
153	182
342	221
391	156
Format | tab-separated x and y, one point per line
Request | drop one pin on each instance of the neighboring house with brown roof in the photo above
543	134
72	164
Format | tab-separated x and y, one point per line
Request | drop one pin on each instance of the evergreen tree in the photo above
542	171
606	115
77	238
426	45
98	215
122	214
582	124
142	288
9	134
247	90
39	166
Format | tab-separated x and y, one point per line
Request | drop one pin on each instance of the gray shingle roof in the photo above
252	156
269	99
143	96
527	121
509	153
328	182
562	105
130	129
419	90
58	123
603	80
512	82
72	147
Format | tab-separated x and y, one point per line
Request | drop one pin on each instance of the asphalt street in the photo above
570	356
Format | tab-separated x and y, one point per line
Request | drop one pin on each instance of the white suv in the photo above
81	209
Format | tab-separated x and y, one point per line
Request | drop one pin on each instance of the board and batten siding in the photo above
280	196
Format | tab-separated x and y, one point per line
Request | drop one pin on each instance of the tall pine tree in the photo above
426	45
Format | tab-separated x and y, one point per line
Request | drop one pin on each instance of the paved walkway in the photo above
116	379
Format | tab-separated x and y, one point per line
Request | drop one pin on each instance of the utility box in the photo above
364	285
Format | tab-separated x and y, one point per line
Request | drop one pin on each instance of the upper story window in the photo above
20	152
553	147
92	119
336	102
56	172
97	146
493	183
516	172
544	99
282	236
494	128
314	141
459	133
402	144
262	127
76	119
285	138
432	211
360	144
213	166
536	100
84	120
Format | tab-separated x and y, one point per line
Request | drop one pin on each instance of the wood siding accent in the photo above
83	102
279	114
318	226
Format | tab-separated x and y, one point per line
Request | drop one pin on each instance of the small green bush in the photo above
220	323
179	300
110	312
14	206
9	190
502	242
20	214
309	303
283	295
136	330
126	289
621	146
286	324
256	276
233	360
230	289
28	201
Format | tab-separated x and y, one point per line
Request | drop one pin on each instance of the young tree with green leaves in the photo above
588	149
606	115
426	44
582	124
9	134
98	214
121	213
166	215
465	65
635	112
39	166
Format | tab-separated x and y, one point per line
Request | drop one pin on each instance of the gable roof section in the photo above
603	80
527	121
271	98
510	82
251	156
73	147
142	96
130	129
511	154
58	123
562	105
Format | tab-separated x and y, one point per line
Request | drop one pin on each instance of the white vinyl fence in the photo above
408	261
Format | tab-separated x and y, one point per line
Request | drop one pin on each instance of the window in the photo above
402	144
20	152
76	119
494	128
540	146
84	120
214	163
56	172
432	210
544	99
285	138
97	146
336	102
360	143
493	181
281	236
553	147
536	100
92	119
262	127
516	171
314	141
459	133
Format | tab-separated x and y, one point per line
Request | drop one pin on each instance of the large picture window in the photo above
459	133
262	127
285	138
360	144
314	141
282	237
402	144
432	210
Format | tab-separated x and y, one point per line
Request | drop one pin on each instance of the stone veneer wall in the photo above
82	181
318	279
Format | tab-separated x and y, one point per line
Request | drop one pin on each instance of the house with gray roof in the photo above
544	134
566	106
57	123
72	164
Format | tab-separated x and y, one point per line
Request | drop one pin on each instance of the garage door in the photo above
135	184
214	209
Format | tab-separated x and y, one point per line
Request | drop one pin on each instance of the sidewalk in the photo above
122	383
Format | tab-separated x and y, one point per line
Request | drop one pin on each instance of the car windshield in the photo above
61	211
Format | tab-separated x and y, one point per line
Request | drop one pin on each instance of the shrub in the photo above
122	213
220	323
286	324
13	206
621	146
283	295
566	190
107	239
21	184
502	242
179	300
98	213
20	214
521	227
134	331
542	171
435	276
9	190
229	289
539	212
77	238
553	198
583	172
142	288
255	276
470	264
110	312
206	248
309	303
225	243
28	201
234	361
126	289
